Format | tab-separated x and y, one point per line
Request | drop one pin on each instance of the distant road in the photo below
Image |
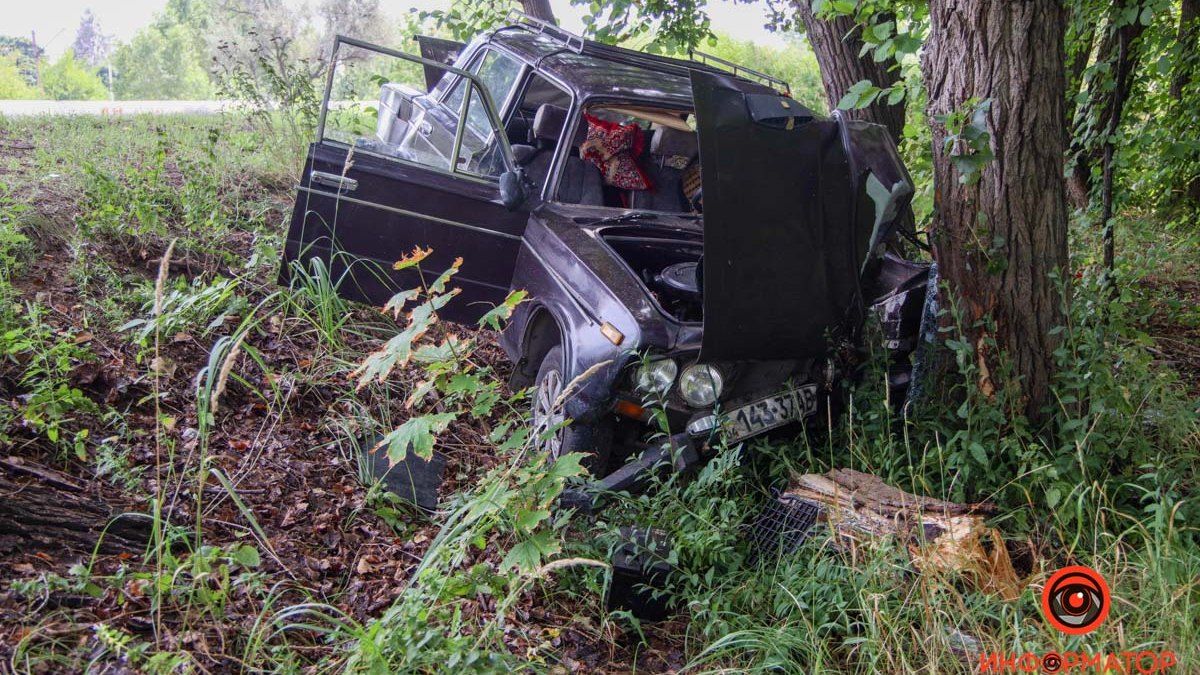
23	108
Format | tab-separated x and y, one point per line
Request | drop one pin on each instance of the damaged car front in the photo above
732	318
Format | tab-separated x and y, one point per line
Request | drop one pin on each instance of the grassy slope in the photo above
87	209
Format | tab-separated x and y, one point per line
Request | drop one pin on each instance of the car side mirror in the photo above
512	188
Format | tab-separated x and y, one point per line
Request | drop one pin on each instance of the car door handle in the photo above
333	180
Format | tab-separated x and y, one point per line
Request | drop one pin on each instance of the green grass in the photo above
213	388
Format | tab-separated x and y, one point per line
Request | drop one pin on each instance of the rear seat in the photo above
671	151
581	182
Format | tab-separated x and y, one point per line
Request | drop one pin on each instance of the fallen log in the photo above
860	509
42	509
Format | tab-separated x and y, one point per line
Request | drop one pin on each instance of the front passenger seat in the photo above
580	182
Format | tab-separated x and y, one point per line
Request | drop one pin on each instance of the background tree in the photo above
1184	76
356	18
25	53
160	63
67	79
91	45
1108	82
12	81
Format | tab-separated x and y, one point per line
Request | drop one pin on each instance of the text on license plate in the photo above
770	412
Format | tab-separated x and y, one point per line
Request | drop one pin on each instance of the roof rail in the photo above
570	40
773	82
577	44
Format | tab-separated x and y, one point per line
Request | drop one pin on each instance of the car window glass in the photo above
480	152
497	72
377	104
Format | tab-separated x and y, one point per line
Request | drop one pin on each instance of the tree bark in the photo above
539	9
836	44
46	510
998	241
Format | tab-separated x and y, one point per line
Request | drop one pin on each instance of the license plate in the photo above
773	411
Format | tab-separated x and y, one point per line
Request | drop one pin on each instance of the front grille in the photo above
782	526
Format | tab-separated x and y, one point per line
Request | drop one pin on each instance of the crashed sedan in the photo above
690	237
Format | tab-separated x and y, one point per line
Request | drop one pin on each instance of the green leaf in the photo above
848	102
1053	495
527	555
503	311
979	453
417	434
567	466
528	519
246	556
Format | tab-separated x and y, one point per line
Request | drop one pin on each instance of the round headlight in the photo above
656	377
701	385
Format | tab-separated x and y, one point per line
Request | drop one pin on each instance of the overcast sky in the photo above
56	20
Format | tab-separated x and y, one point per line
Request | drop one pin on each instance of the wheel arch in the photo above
542	333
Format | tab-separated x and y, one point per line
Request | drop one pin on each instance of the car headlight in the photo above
656	377
701	385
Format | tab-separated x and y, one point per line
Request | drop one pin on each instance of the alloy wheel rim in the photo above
546	415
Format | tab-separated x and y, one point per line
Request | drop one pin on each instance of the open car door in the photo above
394	169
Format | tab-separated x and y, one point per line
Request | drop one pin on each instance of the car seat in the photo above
580	182
671	152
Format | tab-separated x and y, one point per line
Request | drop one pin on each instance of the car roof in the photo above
594	69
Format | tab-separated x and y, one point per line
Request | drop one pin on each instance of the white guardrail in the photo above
14	108
25	108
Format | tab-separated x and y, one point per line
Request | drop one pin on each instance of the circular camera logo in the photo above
1076	600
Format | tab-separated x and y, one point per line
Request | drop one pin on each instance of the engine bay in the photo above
668	262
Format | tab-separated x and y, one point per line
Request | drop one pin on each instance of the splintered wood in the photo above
940	536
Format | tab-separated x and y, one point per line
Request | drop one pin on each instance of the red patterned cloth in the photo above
614	148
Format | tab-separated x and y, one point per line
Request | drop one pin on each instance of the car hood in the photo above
791	212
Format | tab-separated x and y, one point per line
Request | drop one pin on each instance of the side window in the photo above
377	104
497	72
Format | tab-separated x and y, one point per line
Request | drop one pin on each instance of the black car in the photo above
689	235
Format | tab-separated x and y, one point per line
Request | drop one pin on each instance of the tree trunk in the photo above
998	241
46	510
941	537
1093	122
1185	69
1188	36
539	9
1126	60
836	44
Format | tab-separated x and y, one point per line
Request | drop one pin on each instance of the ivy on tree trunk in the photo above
1101	113
1000	236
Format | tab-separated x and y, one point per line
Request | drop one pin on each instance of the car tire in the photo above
593	440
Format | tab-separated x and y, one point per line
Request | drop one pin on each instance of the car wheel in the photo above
592	440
